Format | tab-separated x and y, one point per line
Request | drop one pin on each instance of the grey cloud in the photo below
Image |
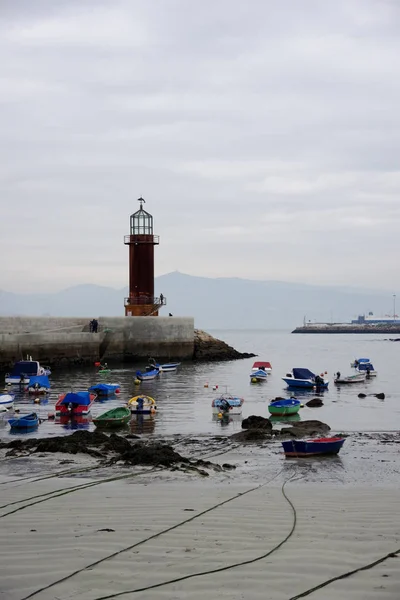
264	135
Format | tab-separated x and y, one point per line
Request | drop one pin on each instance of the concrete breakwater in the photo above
68	341
348	328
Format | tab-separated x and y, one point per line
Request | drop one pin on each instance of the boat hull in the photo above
112	419
350	380
304	383
6	401
318	447
28	423
284	408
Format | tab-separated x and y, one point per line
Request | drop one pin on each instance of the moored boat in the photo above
111	419
6	401
304	378
315	447
357	378
24	423
105	389
147	375
259	375
142	405
266	366
23	370
75	403
358	361
167	367
368	369
285	407
39	384
222	402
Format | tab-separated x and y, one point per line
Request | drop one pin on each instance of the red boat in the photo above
265	366
75	403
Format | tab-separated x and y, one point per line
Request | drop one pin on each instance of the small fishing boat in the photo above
368	369
167	367
39	384
283	408
358	361
357	378
266	366
75	403
105	389
235	404
142	405
24	423
147	375
23	370
259	375
111	419
315	447
6	401
305	378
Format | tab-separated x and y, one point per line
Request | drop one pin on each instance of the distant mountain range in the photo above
223	303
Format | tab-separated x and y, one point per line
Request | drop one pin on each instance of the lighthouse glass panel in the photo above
141	223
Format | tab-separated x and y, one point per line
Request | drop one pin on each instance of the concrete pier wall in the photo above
68	341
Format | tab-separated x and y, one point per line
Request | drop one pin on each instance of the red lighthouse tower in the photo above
141	242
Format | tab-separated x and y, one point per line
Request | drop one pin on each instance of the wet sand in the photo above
339	515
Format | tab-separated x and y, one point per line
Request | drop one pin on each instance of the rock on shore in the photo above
207	347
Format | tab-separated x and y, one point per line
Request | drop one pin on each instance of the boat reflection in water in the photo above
285	419
142	423
75	422
228	419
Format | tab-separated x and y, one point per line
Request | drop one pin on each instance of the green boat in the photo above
284	408
116	417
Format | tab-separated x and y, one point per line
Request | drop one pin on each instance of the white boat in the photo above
235	404
259	375
23	370
6	401
304	378
357	378
168	367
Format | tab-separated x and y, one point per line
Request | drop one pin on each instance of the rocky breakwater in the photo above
207	347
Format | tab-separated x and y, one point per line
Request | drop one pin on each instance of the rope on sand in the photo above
152	537
220	569
347	574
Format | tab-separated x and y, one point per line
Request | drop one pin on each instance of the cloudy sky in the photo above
264	136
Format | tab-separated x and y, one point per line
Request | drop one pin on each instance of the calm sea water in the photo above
184	402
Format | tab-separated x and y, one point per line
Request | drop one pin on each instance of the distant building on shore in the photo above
371	319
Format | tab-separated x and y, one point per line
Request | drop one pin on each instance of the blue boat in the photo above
318	446
24	423
23	370
368	368
259	375
105	389
304	378
235	404
39	384
358	361
147	375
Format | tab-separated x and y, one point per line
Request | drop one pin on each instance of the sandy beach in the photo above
323	528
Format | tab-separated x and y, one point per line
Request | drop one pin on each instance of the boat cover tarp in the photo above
363	360
303	374
364	366
258	365
232	401
259	373
42	380
104	387
288	402
25	367
82	398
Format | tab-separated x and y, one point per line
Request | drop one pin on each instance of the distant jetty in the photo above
347	328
